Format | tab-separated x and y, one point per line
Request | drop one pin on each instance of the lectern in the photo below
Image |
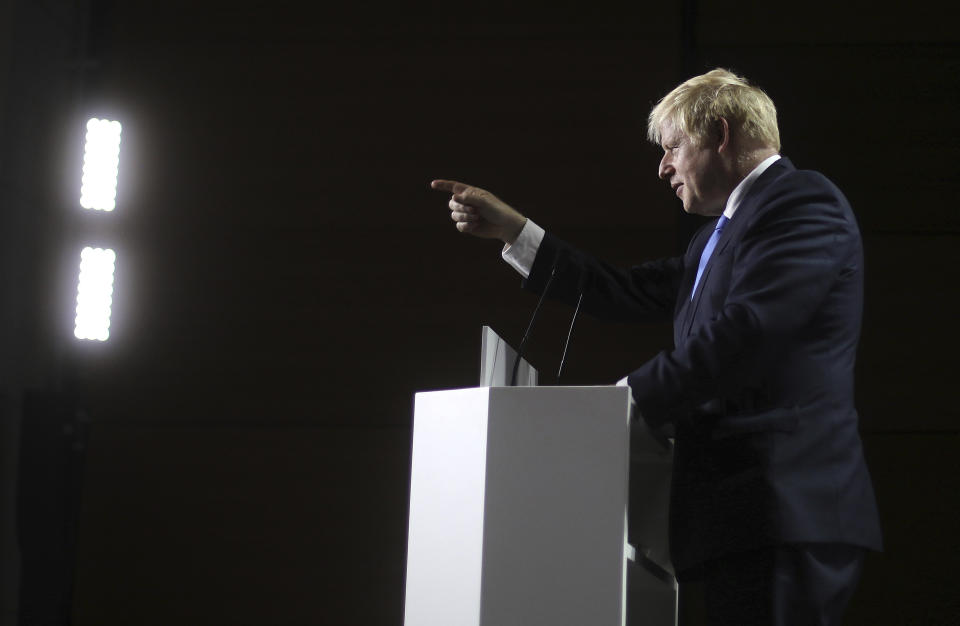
519	511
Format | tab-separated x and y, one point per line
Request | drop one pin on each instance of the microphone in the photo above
576	312
526	335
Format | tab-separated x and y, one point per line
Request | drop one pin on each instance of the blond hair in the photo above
696	106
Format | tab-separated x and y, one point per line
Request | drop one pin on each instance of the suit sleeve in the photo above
645	292
788	259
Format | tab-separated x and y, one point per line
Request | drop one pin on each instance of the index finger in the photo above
451	186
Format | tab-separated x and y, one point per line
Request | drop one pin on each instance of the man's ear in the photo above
723	135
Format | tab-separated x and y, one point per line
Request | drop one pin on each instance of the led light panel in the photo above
101	159
95	294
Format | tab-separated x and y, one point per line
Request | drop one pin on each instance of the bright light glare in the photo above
95	294
101	159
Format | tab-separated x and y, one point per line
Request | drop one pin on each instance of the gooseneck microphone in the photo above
526	335
576	312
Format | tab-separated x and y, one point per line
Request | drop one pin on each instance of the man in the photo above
771	505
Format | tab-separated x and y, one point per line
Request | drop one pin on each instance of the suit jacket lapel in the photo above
694	304
684	311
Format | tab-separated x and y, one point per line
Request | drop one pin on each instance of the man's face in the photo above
695	173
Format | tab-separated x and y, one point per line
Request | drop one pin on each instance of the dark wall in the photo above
286	280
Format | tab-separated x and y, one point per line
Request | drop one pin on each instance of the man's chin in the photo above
699	209
690	207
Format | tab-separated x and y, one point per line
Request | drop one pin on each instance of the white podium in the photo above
518	511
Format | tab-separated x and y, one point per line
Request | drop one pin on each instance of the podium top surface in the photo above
546	389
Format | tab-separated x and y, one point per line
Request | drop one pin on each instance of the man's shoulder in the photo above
789	194
788	185
784	173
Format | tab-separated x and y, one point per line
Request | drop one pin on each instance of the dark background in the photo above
238	451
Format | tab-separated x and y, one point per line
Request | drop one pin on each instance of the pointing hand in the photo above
480	213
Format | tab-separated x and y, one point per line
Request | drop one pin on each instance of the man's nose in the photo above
666	170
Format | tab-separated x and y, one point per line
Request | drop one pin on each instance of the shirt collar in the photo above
733	202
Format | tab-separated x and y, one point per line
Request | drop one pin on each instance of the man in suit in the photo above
771	504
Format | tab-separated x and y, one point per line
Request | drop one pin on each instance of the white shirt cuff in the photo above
623	382
521	254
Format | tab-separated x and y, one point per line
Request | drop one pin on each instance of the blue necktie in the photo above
708	250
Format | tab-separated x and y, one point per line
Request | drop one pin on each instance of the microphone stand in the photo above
526	335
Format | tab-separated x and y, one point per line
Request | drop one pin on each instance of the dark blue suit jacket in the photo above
759	384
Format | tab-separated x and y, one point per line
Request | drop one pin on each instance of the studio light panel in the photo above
95	293
101	159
